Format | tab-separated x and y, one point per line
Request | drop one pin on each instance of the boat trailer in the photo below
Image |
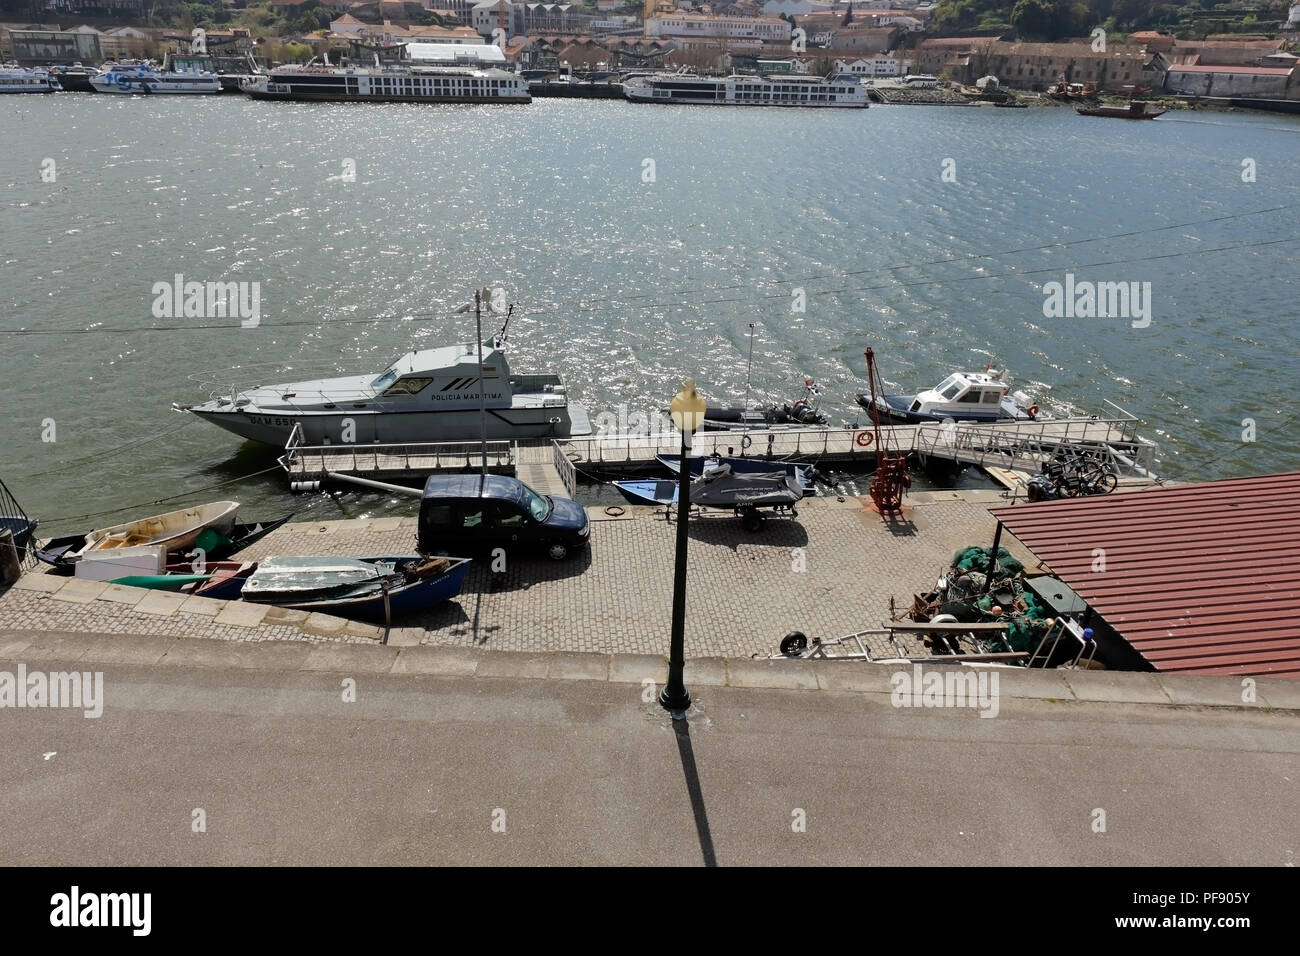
852	647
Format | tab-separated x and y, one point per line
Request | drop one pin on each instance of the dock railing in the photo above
564	466
299	458
761	443
1026	445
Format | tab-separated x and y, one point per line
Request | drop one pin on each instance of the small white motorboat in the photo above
175	530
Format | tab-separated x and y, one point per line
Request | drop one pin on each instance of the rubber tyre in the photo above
1105	483
752	521
557	551
794	644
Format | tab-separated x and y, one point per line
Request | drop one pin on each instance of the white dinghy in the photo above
175	530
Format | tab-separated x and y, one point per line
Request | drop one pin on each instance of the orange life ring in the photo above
864	439
1032	411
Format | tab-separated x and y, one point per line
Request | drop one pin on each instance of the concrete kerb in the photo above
448	661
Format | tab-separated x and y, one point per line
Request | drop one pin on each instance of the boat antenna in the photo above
482	402
750	371
502	335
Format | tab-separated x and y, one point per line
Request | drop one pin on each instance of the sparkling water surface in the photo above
624	285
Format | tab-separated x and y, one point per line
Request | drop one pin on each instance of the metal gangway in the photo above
1113	443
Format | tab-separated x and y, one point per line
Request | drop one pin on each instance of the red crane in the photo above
891	477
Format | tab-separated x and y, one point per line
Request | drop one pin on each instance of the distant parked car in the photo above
1183	93
471	513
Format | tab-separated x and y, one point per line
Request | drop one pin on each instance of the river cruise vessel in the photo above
742	90
390	83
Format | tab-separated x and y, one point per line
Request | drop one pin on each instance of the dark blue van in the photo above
468	513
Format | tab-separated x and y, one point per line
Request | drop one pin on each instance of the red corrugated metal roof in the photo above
1202	577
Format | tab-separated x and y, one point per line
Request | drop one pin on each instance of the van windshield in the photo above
538	506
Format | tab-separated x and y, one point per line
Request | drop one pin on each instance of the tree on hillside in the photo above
848	15
1051	19
1034	19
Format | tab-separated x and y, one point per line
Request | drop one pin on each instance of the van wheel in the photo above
752	520
558	552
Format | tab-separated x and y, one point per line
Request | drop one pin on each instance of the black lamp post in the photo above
688	413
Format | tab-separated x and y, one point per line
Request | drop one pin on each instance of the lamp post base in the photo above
675	699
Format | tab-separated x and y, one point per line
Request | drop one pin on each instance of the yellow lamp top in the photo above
688	408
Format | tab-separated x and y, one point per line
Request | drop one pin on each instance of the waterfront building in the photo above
1038	66
46	47
880	65
699	25
1238	81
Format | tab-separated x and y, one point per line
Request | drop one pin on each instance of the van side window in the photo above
438	516
473	519
507	517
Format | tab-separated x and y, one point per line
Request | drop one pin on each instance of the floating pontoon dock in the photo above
1008	451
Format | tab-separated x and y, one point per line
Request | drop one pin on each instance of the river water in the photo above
639	242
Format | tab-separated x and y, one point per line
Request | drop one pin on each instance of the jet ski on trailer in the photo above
745	495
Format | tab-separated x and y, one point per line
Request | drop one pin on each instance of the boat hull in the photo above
402	598
895	412
392	427
155	84
653	492
742	466
175	530
305	97
62	553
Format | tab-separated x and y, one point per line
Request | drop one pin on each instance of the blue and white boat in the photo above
356	587
144	78
962	397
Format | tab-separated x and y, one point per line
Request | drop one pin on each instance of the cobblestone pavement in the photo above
828	573
24	610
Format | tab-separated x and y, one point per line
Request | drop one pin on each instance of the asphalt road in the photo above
418	768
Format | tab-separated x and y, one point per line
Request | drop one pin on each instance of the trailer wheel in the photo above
752	520
794	643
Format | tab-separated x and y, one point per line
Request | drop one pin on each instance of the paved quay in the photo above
481	762
828	573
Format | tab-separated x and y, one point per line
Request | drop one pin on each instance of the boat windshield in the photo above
950	387
538	505
388	378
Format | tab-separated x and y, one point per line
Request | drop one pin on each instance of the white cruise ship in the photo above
392	83
743	90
